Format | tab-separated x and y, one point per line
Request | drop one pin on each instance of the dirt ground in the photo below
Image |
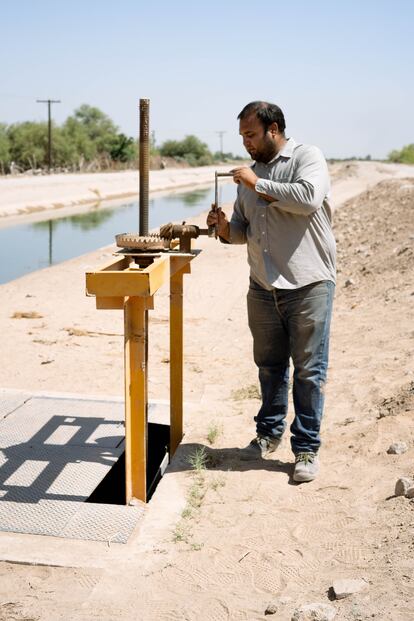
243	535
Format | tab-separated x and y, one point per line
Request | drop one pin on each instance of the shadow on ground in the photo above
226	459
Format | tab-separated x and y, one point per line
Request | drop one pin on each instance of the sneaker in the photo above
306	467
260	447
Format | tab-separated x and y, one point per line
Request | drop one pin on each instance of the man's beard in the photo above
266	153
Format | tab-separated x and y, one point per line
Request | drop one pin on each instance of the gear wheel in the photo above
134	241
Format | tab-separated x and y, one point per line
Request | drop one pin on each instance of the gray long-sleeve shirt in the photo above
290	241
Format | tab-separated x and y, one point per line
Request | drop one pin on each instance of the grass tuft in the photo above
217	483
247	392
198	460
213	433
195	496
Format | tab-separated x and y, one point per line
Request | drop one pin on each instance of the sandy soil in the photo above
239	536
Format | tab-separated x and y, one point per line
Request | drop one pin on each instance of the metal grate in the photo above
53	453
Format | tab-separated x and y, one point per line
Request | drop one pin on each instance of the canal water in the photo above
30	247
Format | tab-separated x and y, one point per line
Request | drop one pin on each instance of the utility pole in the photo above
49	116
220	134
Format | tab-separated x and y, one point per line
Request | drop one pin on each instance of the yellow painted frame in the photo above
124	284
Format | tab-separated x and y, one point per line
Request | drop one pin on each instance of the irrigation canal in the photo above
29	247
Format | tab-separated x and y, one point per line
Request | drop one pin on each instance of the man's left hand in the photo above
245	175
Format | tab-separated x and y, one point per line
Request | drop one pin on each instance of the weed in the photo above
26	315
248	392
196	494
213	433
217	483
181	533
198	459
187	513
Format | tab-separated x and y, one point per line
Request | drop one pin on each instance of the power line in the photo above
49	118
220	134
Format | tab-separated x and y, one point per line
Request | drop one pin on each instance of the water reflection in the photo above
48	226
85	222
40	244
192	198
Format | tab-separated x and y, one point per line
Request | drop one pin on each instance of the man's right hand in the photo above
219	218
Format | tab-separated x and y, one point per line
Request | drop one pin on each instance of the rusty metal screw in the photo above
144	155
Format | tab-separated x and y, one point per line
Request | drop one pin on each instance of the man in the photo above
282	213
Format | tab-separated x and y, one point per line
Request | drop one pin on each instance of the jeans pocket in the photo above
254	285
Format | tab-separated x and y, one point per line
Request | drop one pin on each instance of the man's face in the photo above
259	143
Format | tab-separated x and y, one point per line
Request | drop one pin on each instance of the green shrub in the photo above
404	156
191	149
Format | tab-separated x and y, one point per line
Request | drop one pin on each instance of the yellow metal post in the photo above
136	397
176	360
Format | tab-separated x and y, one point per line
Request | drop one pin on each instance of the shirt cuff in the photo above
263	186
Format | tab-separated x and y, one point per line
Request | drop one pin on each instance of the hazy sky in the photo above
342	71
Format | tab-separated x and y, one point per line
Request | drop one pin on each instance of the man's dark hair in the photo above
267	113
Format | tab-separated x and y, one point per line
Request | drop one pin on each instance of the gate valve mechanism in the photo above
186	232
183	232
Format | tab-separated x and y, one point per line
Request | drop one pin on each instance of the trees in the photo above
404	156
28	144
97	126
4	149
124	149
87	140
80	148
92	135
191	149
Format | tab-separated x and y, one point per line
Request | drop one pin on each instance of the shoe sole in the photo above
304	478
251	457
245	456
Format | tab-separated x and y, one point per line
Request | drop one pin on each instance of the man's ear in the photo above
273	129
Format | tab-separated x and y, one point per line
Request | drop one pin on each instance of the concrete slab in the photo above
11	400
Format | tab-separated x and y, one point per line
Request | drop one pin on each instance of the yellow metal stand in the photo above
130	283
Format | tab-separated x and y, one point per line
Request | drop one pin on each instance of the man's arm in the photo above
303	195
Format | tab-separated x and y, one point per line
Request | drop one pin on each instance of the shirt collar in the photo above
286	150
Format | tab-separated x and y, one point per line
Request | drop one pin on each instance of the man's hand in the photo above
245	175
219	218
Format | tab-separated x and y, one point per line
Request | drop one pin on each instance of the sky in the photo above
342	71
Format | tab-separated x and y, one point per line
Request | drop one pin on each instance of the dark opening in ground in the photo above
111	489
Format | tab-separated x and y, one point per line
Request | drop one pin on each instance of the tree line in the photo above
404	156
88	141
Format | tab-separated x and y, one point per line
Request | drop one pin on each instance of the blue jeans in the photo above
291	323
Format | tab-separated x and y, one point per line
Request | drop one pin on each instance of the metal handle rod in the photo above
219	174
213	228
